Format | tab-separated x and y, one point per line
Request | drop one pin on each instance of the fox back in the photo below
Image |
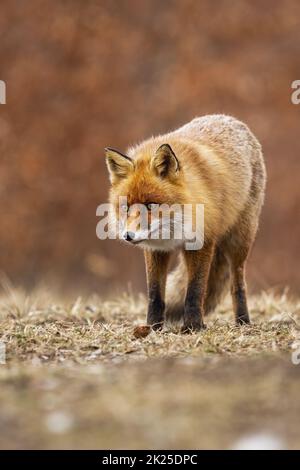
213	160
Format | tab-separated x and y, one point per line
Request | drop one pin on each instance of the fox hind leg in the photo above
237	248
239	296
239	242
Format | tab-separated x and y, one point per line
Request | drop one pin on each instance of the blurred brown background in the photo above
82	75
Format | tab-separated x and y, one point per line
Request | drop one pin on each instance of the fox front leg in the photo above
198	266
156	267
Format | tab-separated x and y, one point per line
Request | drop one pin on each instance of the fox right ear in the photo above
165	162
119	165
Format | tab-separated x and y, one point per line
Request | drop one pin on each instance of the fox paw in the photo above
157	326
243	321
192	327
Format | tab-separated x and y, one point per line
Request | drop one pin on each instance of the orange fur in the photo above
215	161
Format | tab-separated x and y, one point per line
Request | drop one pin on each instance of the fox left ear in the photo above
119	165
165	162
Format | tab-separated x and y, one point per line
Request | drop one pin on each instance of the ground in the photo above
75	377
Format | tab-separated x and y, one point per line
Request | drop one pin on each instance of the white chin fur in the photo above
160	245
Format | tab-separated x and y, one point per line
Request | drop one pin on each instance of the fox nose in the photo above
129	236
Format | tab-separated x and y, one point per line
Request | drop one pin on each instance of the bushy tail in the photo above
218	281
216	289
175	291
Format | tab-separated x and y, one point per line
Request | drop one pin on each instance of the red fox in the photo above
213	160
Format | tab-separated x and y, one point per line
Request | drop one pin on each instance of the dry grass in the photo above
76	377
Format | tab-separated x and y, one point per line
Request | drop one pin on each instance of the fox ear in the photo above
119	165
165	162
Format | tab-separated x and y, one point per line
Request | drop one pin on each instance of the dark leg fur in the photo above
156	307
239	297
156	266
237	249
198	266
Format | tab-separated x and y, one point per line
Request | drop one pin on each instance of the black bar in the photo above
137	458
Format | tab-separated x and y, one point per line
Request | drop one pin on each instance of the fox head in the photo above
146	195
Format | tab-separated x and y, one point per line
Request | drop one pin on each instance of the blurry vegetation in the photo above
83	75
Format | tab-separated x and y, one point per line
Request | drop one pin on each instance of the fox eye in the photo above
151	206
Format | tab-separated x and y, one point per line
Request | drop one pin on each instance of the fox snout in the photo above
135	226
129	236
133	237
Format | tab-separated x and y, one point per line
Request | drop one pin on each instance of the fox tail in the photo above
218	283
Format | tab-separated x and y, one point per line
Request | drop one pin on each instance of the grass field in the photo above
75	376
